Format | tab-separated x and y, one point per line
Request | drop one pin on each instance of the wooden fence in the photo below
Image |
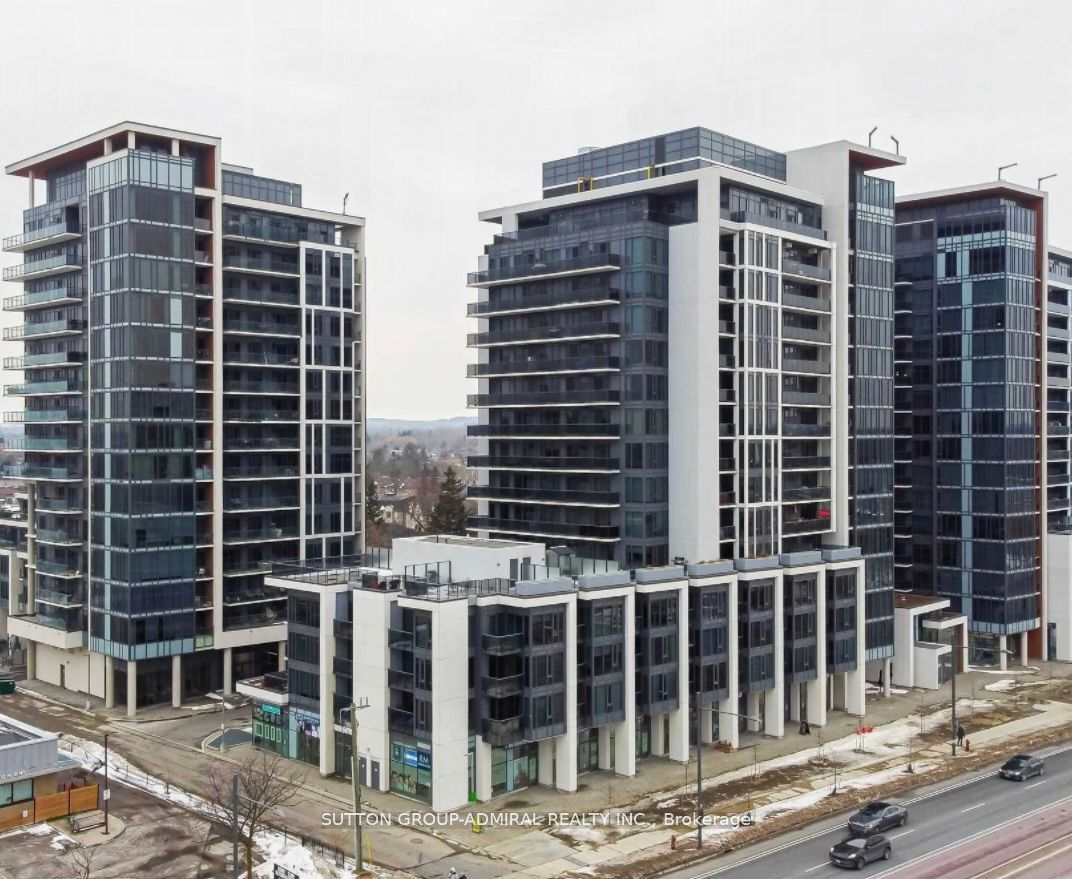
71	801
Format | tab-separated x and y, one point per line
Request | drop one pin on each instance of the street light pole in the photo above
107	791
356	781
699	772
234	826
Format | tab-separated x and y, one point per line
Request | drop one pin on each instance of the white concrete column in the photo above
679	717
108	149
816	689
228	671
450	706
132	688
887	677
707	733
1023	648
30	179
130	140
658	739
30	649
327	683
856	680
281	657
752	710
774	701
728	708
483	770
174	146
1003	657
625	732
176	681
794	702
109	682
837	696
603	738
566	744
545	759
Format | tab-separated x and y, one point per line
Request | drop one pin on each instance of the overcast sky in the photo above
428	111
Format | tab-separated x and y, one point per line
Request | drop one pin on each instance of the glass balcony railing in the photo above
44	328
35	298
270	328
62	231
610	261
544	462
58	569
43	444
795	267
543	398
254	264
42	416
558	333
59	386
50	358
40	268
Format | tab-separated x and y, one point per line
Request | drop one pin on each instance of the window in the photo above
16	792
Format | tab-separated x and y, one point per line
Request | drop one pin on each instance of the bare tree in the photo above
80	860
266	783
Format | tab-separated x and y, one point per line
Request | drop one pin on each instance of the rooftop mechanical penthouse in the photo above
193	409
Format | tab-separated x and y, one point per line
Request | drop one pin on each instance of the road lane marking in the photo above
816	867
976	806
905	833
1036	784
1030	865
951	845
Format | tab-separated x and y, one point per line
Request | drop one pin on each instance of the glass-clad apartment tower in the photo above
193	410
970	269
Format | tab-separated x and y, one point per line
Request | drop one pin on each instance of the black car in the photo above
876	817
1022	767
859	850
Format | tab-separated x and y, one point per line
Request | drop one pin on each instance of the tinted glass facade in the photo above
871	235
968	407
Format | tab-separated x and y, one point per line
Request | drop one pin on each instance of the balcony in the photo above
806	303
812	367
599	262
545	302
804	526
58	569
43	268
262	297
605	396
804	270
794	429
525	462
548	431
545	529
400	720
58	505
265	471
259	416
806	462
501	688
805	334
501	733
44	444
400	680
399	639
805	398
544	495
57	233
46	630
38	361
58	599
543	366
57	537
42	416
30	471
262	387
53	296
757	219
259	358
727	258
265	266
63	327
600	330
261	328
59	386
260	535
806	493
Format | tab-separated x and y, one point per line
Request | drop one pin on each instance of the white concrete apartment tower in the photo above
194	410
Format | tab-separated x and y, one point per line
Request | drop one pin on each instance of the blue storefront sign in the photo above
270	709
417	759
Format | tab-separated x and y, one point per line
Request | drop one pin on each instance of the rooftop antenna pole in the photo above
1003	168
345	199
1047	177
871	134
896	145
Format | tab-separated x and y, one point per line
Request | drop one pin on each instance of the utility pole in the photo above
234	826
358	854
699	772
107	790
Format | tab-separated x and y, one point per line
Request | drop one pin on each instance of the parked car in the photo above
856	851
1022	767
876	817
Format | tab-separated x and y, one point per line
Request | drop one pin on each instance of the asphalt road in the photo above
962	829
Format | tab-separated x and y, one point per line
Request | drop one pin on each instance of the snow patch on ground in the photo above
590	835
875	689
1007	685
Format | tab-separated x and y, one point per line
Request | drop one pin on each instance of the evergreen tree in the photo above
448	516
373	507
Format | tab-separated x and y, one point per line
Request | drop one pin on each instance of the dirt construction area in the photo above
158	840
